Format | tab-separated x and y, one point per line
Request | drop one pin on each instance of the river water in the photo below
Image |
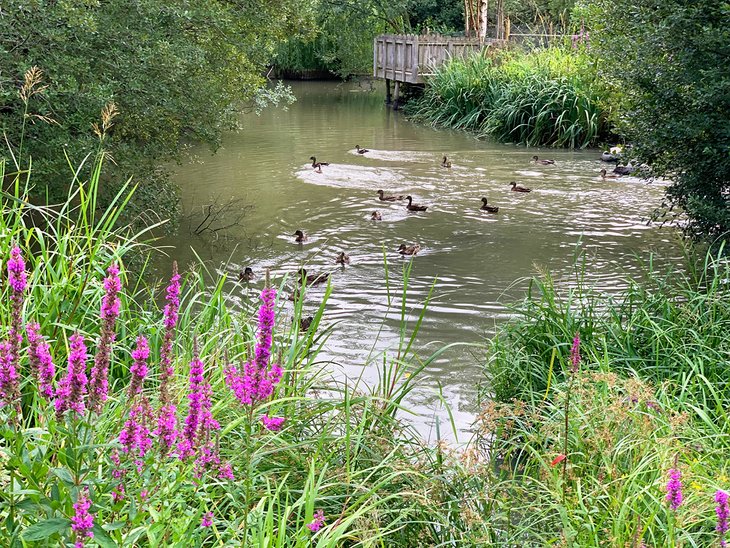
479	261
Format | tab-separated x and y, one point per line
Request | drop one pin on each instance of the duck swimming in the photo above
361	150
312	279
543	162
445	162
409	249
376	216
605	176
624	170
246	275
414	207
342	259
384	198
304	323
488	208
316	164
518	188
300	237
608	157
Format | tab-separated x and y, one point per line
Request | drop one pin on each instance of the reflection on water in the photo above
475	257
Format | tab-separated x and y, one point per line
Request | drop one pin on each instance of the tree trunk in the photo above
483	10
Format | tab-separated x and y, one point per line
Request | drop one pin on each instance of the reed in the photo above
539	98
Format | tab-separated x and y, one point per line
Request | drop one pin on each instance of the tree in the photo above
177	71
669	62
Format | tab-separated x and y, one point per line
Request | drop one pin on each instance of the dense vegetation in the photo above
172	72
546	97
668	62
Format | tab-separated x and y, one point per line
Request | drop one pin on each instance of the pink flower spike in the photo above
317	521
72	388
41	362
140	355
272	423
723	514
207	520
674	489
82	522
575	354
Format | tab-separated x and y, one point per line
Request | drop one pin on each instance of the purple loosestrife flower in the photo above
140	355
166	431
82	522
207	520
135	436
170	321
317	521
18	281
110	306
674	489
257	379
272	423
723	512
575	354
40	360
9	377
195	396
71	389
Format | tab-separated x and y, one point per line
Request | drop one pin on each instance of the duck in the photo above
300	237
414	207
384	198
313	279
361	150
606	176
246	275
543	162
518	188
624	170
376	216
488	208
318	165
342	259
409	249
445	162
304	323
606	156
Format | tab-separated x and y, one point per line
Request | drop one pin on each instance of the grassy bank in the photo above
590	436
546	97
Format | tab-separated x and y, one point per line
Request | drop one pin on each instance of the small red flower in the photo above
557	460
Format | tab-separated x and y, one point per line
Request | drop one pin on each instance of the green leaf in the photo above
102	537
44	529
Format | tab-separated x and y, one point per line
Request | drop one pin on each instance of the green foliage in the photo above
543	97
176	71
668	59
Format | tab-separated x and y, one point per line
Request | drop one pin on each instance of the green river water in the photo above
479	261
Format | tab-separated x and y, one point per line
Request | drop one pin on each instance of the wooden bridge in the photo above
410	58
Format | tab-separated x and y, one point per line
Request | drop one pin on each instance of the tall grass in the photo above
539	98
343	450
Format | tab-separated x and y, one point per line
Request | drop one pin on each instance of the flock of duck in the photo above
343	259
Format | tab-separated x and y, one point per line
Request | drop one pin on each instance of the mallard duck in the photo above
312	279
543	162
608	157
414	207
246	275
300	237
604	175
316	164
304	323
488	208
376	216
445	162
518	188
624	170
383	198
361	150
342	259
409	249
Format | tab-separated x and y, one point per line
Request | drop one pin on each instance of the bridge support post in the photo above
396	95
388	97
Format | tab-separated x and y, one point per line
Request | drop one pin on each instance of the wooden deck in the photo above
410	58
